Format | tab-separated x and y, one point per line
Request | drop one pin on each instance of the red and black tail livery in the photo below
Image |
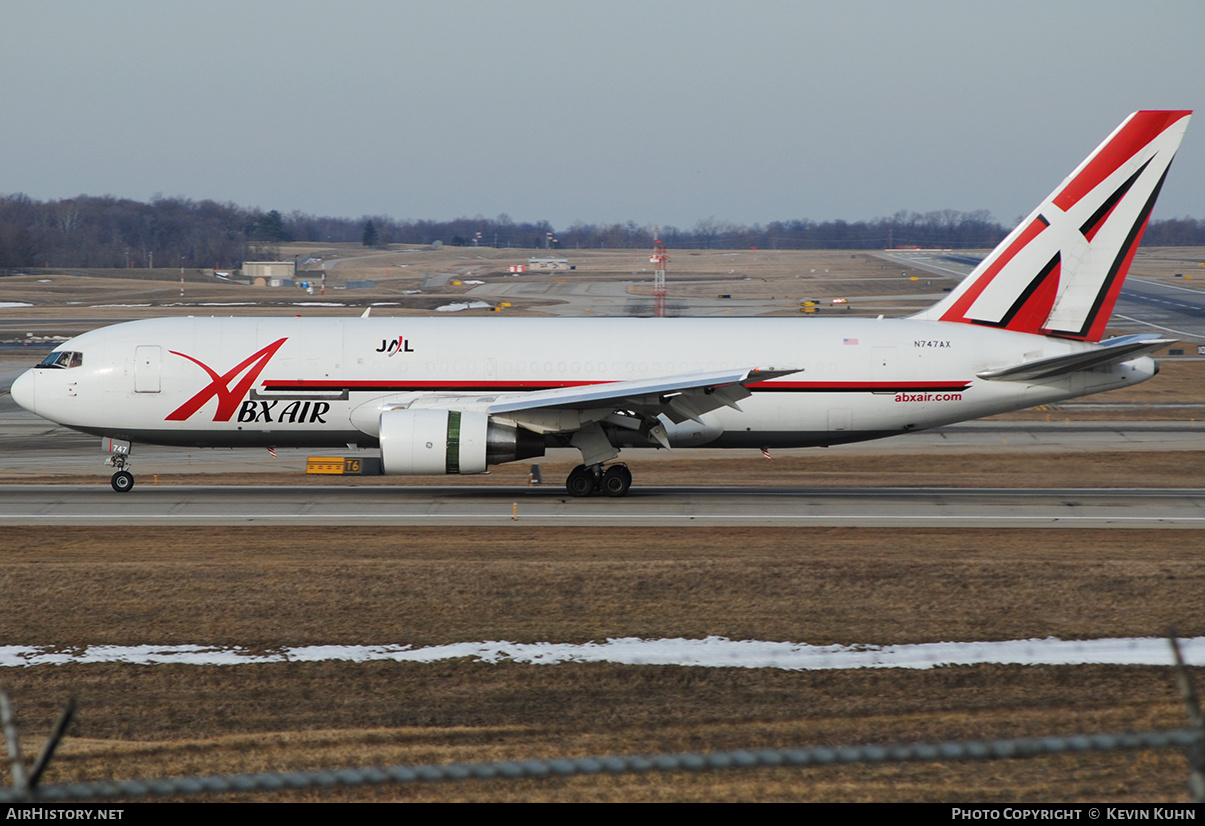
1060	271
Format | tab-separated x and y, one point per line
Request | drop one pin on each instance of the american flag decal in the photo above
849	341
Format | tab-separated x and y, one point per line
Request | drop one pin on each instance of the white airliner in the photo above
441	396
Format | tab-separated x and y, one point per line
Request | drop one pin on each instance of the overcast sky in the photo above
659	112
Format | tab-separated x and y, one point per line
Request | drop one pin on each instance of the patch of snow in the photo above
462	305
712	652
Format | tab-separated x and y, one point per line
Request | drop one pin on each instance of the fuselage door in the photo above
840	419
148	360
883	364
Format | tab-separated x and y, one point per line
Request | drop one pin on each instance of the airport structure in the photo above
269	273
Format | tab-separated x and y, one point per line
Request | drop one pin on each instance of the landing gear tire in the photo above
122	481
580	481
616	481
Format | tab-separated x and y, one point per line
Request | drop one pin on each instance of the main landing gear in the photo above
613	481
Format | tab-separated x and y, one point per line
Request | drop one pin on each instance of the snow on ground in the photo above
461	305
712	652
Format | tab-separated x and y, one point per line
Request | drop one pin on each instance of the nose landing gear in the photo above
585	480
119	458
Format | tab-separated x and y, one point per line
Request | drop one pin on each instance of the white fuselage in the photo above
230	382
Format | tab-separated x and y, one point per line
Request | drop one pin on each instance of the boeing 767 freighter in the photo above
440	396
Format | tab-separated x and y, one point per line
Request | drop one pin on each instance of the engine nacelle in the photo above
429	441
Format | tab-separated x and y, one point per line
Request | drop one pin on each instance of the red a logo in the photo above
219	386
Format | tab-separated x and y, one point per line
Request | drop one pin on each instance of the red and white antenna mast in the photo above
658	259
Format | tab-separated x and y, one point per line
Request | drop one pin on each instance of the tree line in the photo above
108	232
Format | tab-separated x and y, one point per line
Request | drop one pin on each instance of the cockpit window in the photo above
62	359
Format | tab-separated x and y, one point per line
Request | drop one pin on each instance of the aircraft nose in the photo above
22	390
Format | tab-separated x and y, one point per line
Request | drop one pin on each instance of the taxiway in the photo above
651	506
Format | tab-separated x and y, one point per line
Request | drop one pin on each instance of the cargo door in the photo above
148	361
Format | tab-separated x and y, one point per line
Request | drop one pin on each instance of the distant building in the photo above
269	273
549	264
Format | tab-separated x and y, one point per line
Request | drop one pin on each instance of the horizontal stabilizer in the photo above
1113	351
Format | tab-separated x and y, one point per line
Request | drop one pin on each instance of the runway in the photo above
886	507
1170	309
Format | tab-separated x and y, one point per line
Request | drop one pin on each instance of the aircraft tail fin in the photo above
1060	271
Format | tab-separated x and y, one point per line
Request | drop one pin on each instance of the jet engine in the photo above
428	441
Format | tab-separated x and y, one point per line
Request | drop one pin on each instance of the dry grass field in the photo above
783	277
266	588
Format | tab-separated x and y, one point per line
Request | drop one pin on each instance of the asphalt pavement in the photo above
654	506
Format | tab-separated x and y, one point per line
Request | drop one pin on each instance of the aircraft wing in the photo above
680	397
1112	351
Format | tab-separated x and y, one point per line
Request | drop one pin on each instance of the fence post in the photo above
13	740
24	782
52	743
1196	751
